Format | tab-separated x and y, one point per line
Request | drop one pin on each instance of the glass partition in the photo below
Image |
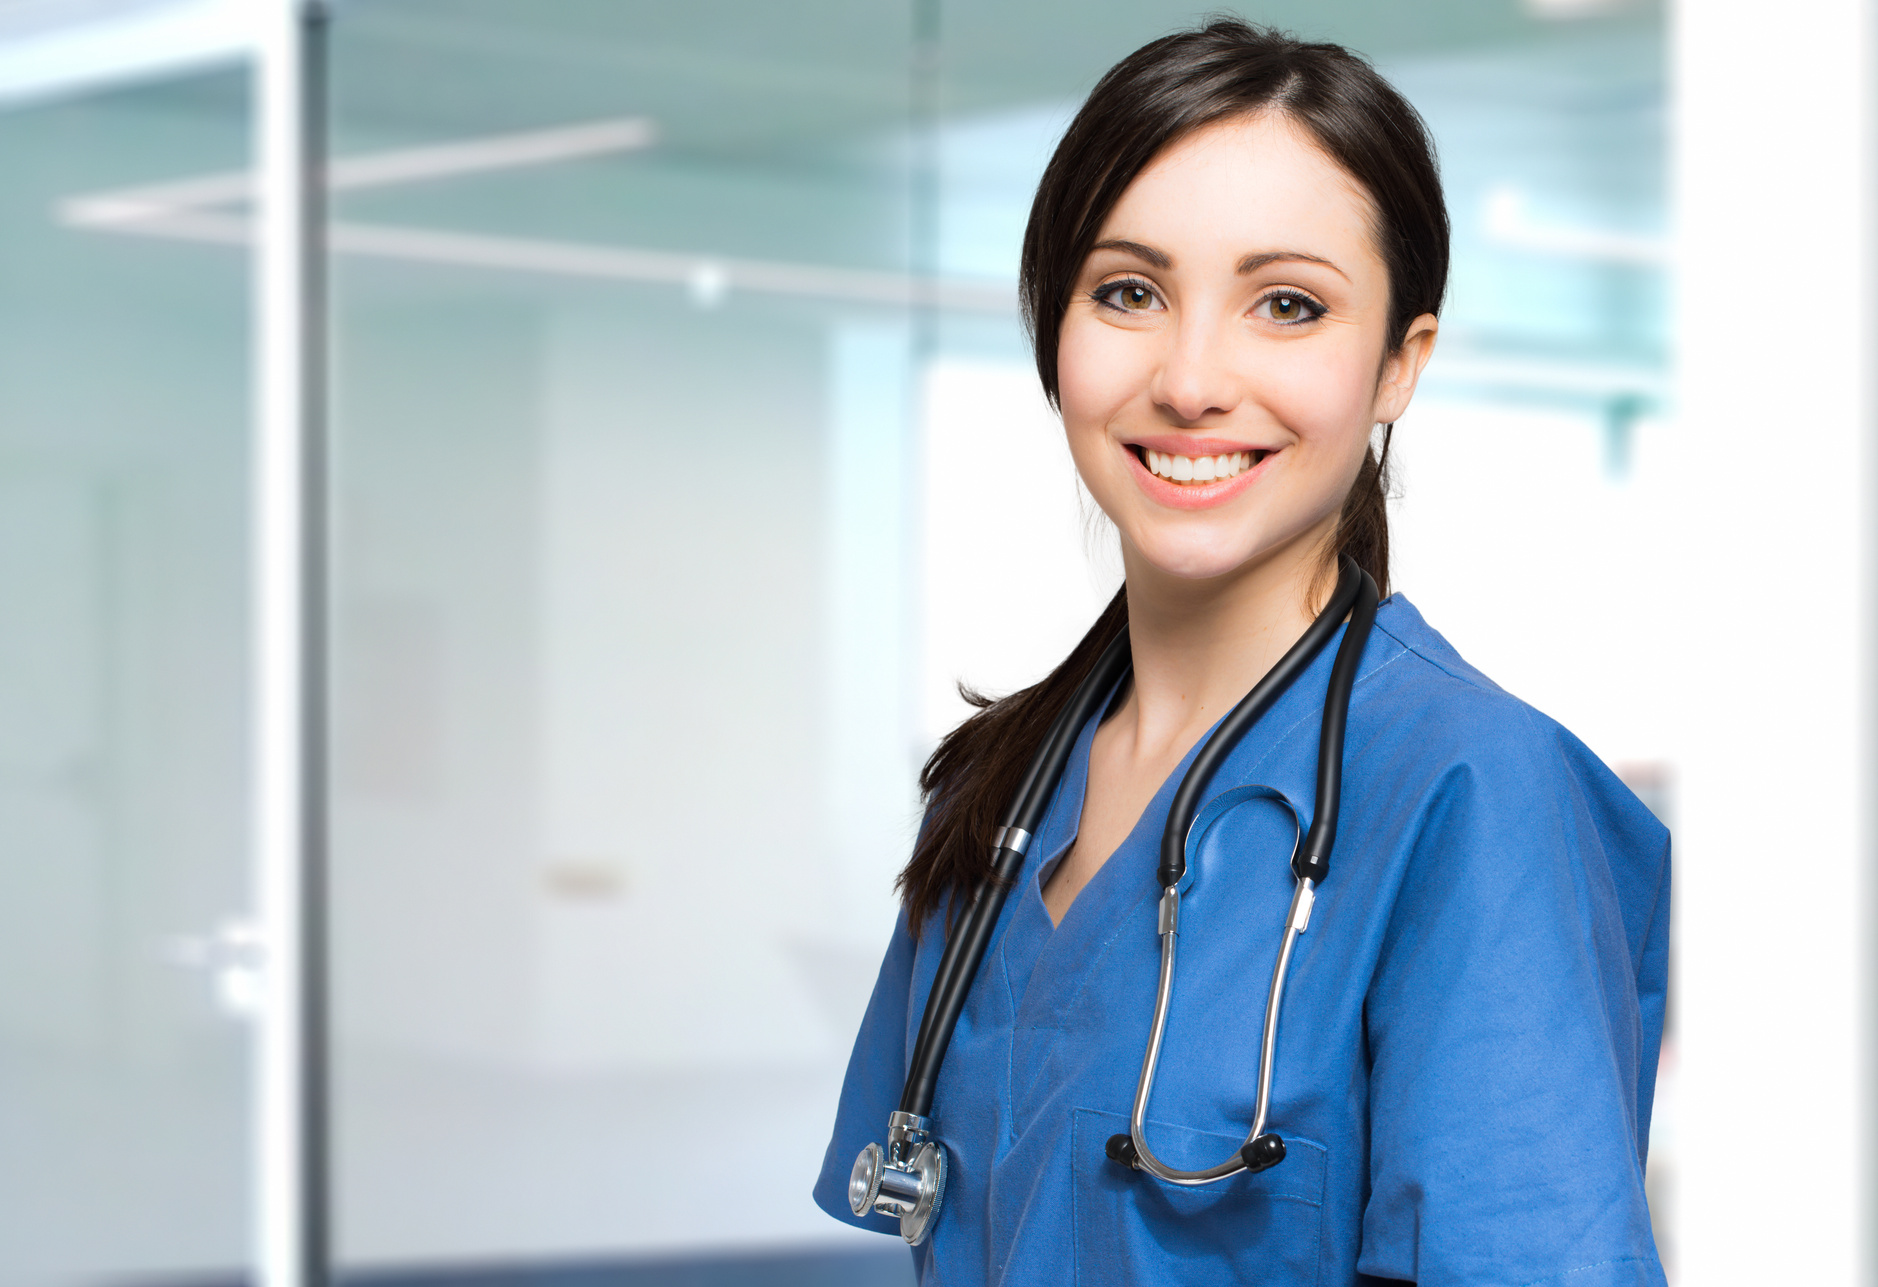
124	961
623	762
670	346
1534	475
670	343
1541	415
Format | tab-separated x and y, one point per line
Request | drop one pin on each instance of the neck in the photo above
1200	646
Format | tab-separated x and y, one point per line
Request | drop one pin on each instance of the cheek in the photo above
1098	373
1324	399
1322	394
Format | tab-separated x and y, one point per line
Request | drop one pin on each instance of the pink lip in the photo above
1192	495
1186	444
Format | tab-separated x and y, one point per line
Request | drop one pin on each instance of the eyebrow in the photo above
1250	264
1158	258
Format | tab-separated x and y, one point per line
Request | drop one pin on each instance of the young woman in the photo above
1232	273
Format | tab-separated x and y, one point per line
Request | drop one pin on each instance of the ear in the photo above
1402	370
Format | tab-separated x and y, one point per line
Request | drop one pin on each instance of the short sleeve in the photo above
871	1089
1508	1028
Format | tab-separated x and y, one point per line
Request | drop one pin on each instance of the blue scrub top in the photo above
1469	1039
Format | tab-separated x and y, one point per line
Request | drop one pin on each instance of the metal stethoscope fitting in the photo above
908	1178
1260	1150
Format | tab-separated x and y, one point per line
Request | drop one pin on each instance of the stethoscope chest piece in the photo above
907	1179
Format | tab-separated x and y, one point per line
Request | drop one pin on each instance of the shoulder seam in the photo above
1284	737
1647	1261
1473	681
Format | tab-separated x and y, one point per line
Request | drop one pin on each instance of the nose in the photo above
1196	377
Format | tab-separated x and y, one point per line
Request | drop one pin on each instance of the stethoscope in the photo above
908	1178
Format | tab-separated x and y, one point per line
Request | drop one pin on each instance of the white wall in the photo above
1541	561
680	620
1773	591
609	856
1015	561
1511	532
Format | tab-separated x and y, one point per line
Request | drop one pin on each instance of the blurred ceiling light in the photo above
1594	381
1509	223
709	283
208	209
494	152
486	155
52	47
1567	10
708	279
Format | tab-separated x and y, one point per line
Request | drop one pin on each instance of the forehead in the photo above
1247	185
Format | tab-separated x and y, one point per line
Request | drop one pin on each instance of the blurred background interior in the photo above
687	452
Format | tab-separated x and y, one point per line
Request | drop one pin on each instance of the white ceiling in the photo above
54	47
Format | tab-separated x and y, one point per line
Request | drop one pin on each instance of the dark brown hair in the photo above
1157	95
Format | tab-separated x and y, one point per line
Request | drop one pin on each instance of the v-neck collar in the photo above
1122	880
1127	878
1030	927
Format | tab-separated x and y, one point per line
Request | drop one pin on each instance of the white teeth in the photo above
1198	469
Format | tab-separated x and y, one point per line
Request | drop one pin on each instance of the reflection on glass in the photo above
622	402
123	421
671	506
672	502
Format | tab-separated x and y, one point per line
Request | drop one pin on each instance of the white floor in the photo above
115	1173
445	1162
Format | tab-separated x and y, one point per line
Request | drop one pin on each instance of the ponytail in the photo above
1363	531
976	770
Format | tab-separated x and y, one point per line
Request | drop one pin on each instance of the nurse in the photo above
1232	273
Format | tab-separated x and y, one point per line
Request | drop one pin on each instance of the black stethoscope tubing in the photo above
971	934
1355	596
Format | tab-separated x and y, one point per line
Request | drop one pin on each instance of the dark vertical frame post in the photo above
293	1228
925	83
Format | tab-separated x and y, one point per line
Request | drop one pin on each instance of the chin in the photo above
1195	552
1193	561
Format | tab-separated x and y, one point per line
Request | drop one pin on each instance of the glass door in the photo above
125	959
688	453
683	434
624	756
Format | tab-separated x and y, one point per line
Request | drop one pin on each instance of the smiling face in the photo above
1222	360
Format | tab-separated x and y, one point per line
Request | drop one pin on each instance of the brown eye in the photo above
1289	310
1128	297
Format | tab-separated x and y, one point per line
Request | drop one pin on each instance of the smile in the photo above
1197	469
1197	479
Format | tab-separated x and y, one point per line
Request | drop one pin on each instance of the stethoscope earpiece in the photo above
1260	1154
1263	1153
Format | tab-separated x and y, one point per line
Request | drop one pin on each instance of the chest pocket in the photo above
1133	1228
